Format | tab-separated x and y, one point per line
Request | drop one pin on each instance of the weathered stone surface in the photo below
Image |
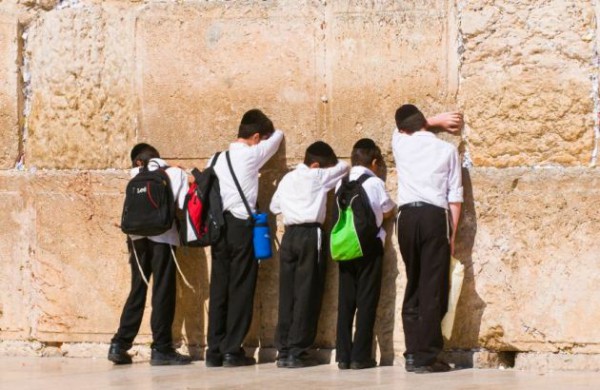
203	65
527	82
9	120
557	361
16	247
375	63
82	80
529	245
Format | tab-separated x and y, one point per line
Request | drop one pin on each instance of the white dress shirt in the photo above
179	186
301	195
246	161
428	169
379	198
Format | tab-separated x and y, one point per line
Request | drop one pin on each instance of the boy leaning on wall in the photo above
301	198
155	258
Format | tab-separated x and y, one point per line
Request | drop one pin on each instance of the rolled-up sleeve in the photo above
455	187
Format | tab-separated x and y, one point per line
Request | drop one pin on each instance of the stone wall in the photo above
81	81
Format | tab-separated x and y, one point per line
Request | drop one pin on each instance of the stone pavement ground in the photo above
72	374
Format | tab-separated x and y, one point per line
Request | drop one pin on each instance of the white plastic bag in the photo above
457	274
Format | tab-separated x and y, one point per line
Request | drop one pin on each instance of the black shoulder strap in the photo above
363	178
196	172
237	184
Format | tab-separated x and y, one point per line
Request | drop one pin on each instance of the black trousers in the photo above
155	259
232	285
301	281
423	236
359	290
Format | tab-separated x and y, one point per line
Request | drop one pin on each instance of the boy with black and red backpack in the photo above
357	240
148	219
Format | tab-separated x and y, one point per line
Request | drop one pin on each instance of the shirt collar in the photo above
238	145
359	169
423	134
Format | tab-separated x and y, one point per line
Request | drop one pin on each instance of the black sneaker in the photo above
300	361
118	354
362	365
235	360
409	365
168	358
343	365
213	361
437	366
282	360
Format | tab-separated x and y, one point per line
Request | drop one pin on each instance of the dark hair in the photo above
143	152
364	151
320	152
255	121
410	119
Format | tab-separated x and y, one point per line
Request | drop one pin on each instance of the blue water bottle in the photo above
262	237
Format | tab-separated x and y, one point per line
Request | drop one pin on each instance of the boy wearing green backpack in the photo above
357	240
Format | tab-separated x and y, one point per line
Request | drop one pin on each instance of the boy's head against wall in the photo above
410	119
366	153
142	153
255	122
320	153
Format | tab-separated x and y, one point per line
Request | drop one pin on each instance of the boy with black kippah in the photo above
234	269
301	197
429	189
360	278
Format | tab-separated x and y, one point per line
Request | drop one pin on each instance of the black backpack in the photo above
149	207
203	209
354	234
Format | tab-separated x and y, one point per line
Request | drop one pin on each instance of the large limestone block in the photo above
527	82
531	254
9	120
16	247
201	66
379	56
81	270
82	73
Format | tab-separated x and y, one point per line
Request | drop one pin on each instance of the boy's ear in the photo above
315	165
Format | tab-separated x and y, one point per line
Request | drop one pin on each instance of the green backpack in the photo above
354	234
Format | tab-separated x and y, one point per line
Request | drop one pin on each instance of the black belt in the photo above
306	225
413	205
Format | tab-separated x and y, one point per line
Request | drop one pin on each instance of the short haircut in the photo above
255	121
143	152
364	151
320	152
410	119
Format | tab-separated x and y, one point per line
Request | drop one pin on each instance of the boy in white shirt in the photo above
155	258
430	195
234	269
301	198
360	278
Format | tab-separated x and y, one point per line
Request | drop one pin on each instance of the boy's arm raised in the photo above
451	122
330	176
267	148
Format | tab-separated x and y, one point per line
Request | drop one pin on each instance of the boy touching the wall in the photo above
360	278
301	198
155	258
234	270
430	195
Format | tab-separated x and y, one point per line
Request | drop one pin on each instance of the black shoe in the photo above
282	360
361	365
168	358
437	366
409	365
118	354
235	360
213	361
300	361
343	365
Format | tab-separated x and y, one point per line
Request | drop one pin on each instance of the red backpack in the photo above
203	209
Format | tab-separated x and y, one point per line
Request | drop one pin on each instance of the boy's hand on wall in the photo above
448	121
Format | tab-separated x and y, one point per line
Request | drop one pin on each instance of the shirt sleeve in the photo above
179	185
275	205
381	196
331	176
267	148
455	188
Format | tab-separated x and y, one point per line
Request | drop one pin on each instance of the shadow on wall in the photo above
189	326
470	307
